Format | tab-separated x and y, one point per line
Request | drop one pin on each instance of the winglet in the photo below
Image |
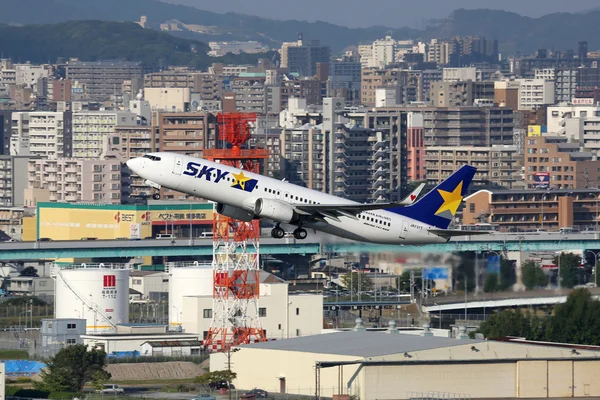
410	199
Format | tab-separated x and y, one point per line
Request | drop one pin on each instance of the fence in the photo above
436	396
24	316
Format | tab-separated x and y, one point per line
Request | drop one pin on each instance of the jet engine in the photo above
275	210
235	212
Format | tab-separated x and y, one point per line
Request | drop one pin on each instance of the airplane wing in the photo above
334	211
350	210
449	233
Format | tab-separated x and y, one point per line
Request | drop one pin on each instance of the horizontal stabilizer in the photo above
448	233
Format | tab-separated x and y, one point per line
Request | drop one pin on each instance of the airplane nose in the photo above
134	164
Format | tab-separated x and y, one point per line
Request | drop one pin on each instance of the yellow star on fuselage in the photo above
451	200
240	180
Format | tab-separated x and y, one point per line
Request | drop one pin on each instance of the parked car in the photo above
112	389
258	393
220	385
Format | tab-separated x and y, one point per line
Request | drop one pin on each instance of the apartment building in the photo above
92	128
372	79
497	166
309	89
13	179
252	94
185	133
467	126
529	210
169	99
559	116
415	165
345	75
535	93
303	57
61	90
460	93
42	133
552	162
304	152
103	80
208	85
506	94
5	132
76	181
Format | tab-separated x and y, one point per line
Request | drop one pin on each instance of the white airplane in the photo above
246	196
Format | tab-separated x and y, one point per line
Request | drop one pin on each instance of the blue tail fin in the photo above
438	207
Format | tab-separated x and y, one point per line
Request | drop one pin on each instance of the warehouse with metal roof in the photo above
393	365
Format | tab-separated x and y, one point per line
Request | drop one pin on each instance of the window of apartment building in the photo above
262	312
97	187
207	313
472	207
71	341
97	196
115	177
115	167
115	196
115	186
97	168
583	113
97	178
71	326
137	281
194	352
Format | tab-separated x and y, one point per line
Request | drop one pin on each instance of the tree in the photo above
511	323
29	271
508	276
491	283
355	281
575	321
403	282
533	275
71	368
214	378
568	264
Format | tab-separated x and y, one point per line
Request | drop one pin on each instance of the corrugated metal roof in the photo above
361	344
175	343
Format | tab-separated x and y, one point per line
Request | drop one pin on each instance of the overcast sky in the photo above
392	13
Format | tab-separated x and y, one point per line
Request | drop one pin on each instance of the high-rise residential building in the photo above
558	116
553	163
460	93
185	133
467	126
369	160
76	181
103	80
304	56
371	79
459	74
506	94
304	152
439	51
169	99
92	128
497	166
535	93
61	90
208	85
5	132
345	79
305	88
415	165
41	133
252	94
383	52
13	179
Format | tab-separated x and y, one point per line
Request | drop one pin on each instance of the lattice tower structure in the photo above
236	267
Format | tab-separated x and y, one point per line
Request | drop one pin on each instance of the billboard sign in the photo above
587	101
134	231
541	180
493	264
434	273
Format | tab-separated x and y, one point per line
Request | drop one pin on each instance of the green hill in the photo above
101	40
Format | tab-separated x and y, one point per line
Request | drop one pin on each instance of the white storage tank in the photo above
187	279
98	293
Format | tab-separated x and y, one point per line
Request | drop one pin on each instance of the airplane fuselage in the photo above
241	189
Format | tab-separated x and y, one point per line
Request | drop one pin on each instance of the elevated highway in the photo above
314	244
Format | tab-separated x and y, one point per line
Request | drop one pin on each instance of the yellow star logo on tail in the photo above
451	200
240	180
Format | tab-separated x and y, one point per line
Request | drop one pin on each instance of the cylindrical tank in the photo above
191	280
95	293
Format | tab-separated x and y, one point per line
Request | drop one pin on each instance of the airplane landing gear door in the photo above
178	166
404	230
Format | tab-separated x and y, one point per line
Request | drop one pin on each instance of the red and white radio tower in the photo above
236	270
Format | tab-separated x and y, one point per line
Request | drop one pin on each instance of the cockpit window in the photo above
153	158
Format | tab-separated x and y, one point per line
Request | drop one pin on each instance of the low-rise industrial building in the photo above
391	365
171	348
152	285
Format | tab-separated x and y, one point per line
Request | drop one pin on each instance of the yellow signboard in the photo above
534	130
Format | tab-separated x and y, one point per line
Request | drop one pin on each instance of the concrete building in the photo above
61	90
304	56
345	77
460	93
372	79
31	286
459	74
415	165
42	133
381	365
103	80
529	210
558	116
171	348
506	94
169	99
186	133
56	334
297	319
552	162
535	93
91	130
218	49
5	132
74	181
13	180
467	126
152	285
497	166
439	51
304	151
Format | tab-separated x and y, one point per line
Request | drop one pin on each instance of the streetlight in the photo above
229	351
